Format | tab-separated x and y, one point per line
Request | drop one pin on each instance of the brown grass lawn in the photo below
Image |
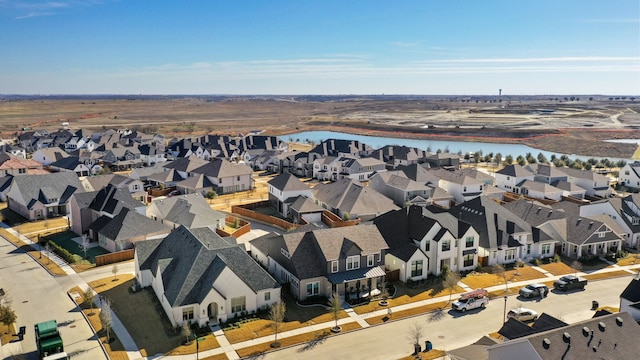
437	310
558	268
144	318
630	259
43	227
606	275
484	280
312	339
264	327
42	259
114	348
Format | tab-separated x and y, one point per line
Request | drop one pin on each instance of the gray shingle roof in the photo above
288	182
356	199
59	185
189	262
130	225
190	210
222	168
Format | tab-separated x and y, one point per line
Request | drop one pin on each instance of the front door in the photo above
212	311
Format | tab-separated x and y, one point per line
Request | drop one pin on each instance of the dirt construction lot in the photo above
557	124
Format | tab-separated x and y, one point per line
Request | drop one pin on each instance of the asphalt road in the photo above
449	330
36	296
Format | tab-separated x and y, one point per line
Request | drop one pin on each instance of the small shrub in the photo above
556	258
537	262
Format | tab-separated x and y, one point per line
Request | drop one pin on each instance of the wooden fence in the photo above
272	220
230	221
332	220
115	257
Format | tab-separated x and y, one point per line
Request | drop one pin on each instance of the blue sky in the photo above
320	47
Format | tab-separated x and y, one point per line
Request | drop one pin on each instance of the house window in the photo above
446	245
369	260
468	242
427	245
467	260
528	249
187	314
509	255
636	221
334	266
353	262
546	249
267	296
22	171
238	304
416	268
601	234
464	189
313	288
456	244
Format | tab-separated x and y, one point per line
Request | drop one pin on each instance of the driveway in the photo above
36	296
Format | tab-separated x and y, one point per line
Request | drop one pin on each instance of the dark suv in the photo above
534	290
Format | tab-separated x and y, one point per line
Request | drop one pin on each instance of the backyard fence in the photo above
115	257
241	227
244	210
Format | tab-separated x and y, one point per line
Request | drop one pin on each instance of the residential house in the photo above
593	236
14	150
360	169
126	229
630	299
596	185
46	156
457	184
546	173
284	189
402	190
11	165
422	242
510	176
340	148
629	175
120	157
95	183
151	155
191	210
185	166
199	277
305	210
613	336
38	197
303	164
539	190
227	177
624	211
70	164
325	168
350	199
198	183
443	160
395	155
504	236
348	261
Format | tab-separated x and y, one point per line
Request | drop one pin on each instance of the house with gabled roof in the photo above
510	176
190	210
402	190
304	209
611	336
348	261
395	155
38	197
340	148
504	236
349	199
325	168
151	155
546	173
126	229
630	298
202	278
458	184
70	164
360	169
539	190
629	175
284	189
592	236
596	185
422	242
227	177
624	211
11	165
46	156
196	184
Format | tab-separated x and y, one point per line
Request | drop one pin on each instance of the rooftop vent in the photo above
619	321
585	331
546	343
566	337
602	326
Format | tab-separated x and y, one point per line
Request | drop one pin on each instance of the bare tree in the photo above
415	333
114	271
186	331
335	306
499	270
450	282
576	266
106	319
276	314
85	245
89	297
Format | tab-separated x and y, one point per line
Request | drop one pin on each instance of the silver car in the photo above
534	290
522	314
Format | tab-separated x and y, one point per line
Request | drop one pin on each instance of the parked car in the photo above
570	282
534	290
471	300
522	314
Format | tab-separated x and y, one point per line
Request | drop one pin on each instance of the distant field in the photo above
534	121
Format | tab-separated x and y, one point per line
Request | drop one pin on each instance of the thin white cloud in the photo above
36	14
540	60
31	9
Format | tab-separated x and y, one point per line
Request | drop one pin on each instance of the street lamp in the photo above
504	315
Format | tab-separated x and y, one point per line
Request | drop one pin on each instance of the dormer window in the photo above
353	262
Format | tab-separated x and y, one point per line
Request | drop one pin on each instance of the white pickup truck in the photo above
471	300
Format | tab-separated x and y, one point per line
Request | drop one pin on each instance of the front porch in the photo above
358	285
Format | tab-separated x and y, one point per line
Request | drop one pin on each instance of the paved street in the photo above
449	330
37	297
